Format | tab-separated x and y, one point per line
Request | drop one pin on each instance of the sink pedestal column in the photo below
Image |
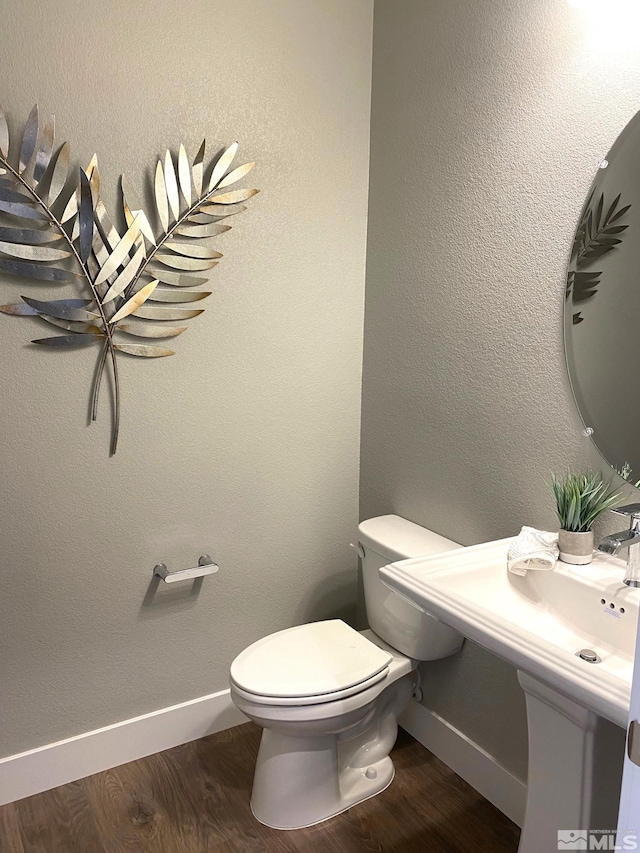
575	767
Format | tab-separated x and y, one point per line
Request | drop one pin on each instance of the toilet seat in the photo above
317	699
309	664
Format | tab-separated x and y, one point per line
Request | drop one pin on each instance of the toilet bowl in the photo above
322	753
328	697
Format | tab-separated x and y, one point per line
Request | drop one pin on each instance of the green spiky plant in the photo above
580	498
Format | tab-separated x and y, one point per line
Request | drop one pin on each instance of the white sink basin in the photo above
537	622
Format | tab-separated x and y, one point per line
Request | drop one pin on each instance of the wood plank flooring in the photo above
195	799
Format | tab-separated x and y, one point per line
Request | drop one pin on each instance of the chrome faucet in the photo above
628	539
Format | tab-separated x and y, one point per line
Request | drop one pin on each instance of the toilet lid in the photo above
309	660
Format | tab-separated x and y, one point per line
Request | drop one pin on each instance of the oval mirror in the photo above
602	307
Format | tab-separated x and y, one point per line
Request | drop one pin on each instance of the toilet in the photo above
328	697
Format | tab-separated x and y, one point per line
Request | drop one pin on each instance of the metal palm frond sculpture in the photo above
598	233
56	229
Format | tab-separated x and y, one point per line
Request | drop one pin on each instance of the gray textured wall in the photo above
244	444
488	120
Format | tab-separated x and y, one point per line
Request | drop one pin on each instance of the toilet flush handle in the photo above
357	546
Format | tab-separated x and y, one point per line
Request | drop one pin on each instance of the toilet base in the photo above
301	781
298	782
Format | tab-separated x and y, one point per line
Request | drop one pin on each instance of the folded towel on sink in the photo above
532	549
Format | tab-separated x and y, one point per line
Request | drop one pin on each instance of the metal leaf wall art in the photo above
599	232
55	230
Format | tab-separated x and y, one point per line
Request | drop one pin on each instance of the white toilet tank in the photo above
395	620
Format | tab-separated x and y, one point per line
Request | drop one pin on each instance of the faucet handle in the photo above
631	510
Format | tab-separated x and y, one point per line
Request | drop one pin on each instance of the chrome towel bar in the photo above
205	566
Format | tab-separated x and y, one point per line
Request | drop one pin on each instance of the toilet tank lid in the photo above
395	538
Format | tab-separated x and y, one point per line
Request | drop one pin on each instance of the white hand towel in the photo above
532	549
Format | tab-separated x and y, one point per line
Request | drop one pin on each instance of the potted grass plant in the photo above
580	498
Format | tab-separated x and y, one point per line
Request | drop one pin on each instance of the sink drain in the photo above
589	655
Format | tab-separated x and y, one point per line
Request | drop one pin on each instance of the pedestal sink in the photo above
542	623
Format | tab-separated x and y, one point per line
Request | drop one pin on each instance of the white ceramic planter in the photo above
576	548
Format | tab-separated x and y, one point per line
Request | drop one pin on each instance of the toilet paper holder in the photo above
205	566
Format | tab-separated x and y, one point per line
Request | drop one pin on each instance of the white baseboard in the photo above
65	761
468	760
54	764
